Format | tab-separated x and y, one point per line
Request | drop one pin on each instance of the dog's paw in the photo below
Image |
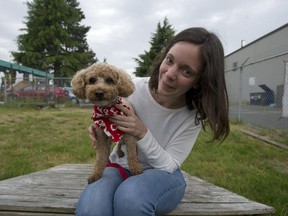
136	170
92	178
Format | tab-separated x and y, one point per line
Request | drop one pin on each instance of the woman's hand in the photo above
130	123
92	135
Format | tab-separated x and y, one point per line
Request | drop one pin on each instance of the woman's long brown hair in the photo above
210	98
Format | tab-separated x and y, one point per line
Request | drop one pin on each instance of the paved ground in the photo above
263	116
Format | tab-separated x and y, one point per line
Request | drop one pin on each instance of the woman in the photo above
186	92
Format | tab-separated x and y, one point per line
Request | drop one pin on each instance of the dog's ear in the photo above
78	84
125	84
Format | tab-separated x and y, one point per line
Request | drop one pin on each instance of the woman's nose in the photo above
172	73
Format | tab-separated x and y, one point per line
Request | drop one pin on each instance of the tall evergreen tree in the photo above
159	40
53	38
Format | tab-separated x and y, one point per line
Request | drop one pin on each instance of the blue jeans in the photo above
154	192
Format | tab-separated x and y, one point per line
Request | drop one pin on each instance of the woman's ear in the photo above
78	84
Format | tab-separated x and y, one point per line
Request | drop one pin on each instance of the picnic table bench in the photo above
55	191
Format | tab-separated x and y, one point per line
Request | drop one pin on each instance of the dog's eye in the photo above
109	80
92	80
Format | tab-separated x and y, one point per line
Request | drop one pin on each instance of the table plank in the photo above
55	191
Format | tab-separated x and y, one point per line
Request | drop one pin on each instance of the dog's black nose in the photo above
99	94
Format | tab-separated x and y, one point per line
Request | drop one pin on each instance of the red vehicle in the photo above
38	92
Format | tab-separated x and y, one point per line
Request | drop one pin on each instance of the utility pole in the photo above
240	90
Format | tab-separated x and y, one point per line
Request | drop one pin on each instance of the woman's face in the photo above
180	70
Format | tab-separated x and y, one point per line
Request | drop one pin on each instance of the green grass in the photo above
33	140
244	165
36	139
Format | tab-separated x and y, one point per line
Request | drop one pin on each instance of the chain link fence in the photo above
258	92
35	90
258	102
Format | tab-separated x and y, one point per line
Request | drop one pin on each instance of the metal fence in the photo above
263	109
35	91
40	90
258	89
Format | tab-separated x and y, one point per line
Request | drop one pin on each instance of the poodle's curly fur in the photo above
101	84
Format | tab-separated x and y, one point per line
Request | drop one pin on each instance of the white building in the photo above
257	73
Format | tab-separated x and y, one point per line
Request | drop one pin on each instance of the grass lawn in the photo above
36	139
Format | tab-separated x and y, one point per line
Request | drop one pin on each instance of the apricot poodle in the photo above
104	85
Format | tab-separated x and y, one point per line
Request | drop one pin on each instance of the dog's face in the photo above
101	84
101	87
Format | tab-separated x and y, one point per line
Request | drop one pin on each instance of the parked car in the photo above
38	92
72	97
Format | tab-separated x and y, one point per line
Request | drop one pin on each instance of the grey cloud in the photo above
121	30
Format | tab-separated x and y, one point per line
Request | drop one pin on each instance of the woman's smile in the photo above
167	85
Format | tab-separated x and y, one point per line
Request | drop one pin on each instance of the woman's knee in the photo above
97	198
130	200
91	204
87	210
151	192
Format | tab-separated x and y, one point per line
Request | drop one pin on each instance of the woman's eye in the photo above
187	73
92	80
169	60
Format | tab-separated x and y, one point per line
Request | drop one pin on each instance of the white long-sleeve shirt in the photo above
171	132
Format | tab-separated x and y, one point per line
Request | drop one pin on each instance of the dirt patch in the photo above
264	139
279	166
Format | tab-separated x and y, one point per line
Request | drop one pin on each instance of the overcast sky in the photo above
121	29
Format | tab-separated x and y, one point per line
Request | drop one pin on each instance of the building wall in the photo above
262	61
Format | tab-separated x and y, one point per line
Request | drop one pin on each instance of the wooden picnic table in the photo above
55	191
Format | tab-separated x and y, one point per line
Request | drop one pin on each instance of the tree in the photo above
159	40
53	39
